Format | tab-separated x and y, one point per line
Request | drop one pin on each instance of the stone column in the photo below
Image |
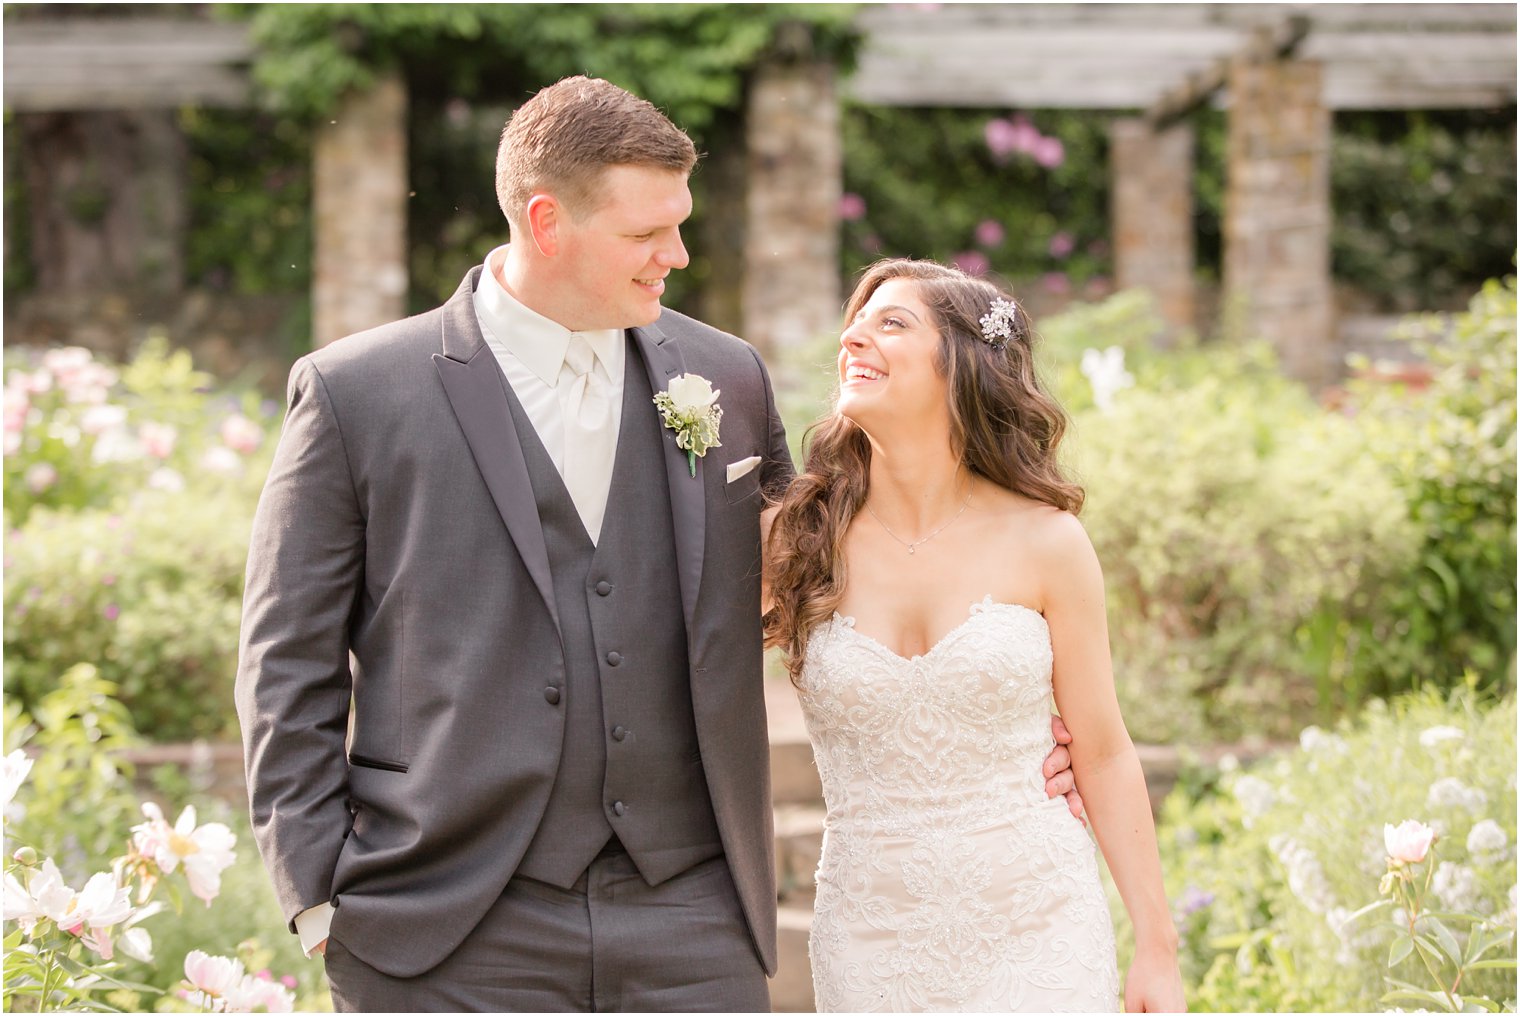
791	245
1277	214
359	195
1151	205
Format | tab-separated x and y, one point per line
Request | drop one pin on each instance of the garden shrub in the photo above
1228	510
1451	448
1266	867
129	497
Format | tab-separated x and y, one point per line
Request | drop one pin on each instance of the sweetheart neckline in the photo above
986	603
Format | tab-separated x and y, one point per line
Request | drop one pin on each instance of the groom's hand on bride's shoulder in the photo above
1059	779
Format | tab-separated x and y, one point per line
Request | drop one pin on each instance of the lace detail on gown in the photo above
948	881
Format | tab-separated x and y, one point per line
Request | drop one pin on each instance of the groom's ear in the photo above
544	216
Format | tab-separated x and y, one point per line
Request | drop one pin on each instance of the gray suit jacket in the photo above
397	563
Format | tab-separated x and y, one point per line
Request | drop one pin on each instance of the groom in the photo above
500	669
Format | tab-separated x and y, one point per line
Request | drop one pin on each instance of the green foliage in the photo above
1267	869
250	201
1424	204
927	179
129	496
149	593
1451	448
1229	510
689	59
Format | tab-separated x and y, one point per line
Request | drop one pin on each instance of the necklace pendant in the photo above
912	549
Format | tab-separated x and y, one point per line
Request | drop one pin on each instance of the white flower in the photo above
1409	841
205	851
115	446
99	419
691	391
101	903
13	773
1313	739
1455	885
221	459
1434	737
1306	877
1255	795
40	476
1106	374
54	900
166	479
1487	840
137	943
1450	792
19	906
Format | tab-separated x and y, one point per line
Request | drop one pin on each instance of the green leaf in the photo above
1448	942
1505	964
1419	995
1400	950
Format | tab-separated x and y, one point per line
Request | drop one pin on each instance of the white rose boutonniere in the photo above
689	406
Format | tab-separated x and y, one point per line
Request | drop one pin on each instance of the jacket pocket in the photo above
376	763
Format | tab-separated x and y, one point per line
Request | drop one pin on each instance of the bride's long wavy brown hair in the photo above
1003	425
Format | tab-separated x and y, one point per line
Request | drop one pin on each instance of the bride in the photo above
930	583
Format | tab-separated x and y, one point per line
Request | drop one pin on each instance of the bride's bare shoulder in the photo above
1041	531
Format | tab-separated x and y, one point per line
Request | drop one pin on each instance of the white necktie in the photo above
589	445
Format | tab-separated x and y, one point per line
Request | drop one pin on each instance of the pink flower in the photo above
1061	245
1049	152
1409	841
241	434
213	975
157	439
971	262
1002	138
112	612
989	233
852	207
1056	282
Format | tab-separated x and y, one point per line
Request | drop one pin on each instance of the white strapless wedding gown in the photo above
948	880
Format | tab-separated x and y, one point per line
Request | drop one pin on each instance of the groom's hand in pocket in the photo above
1059	779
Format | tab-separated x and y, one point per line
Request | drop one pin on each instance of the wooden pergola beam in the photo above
1266	43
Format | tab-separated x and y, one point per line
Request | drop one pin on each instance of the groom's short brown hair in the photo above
567	134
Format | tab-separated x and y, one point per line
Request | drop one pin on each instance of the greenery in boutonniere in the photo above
689	406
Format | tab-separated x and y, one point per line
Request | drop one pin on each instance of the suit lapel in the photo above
476	391
688	506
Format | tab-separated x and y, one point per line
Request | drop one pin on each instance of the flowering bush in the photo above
82	433
1269	868
83	942
131	555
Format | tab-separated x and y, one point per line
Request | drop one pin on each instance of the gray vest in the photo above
630	765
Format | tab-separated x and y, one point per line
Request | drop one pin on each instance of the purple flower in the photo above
1056	282
1049	152
989	233
1193	900
1062	245
112	612
852	207
972	262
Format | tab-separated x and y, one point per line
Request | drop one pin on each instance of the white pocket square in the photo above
742	468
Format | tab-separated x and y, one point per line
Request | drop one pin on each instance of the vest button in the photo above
618	733
617	808
603	588
613	659
551	695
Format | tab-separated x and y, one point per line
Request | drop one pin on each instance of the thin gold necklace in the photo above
912	547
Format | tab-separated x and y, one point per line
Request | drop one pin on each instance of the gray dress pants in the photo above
610	944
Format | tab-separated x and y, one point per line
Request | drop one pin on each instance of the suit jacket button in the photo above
618	733
617	808
603	588
613	659
551	695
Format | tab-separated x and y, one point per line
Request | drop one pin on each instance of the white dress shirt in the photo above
531	351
